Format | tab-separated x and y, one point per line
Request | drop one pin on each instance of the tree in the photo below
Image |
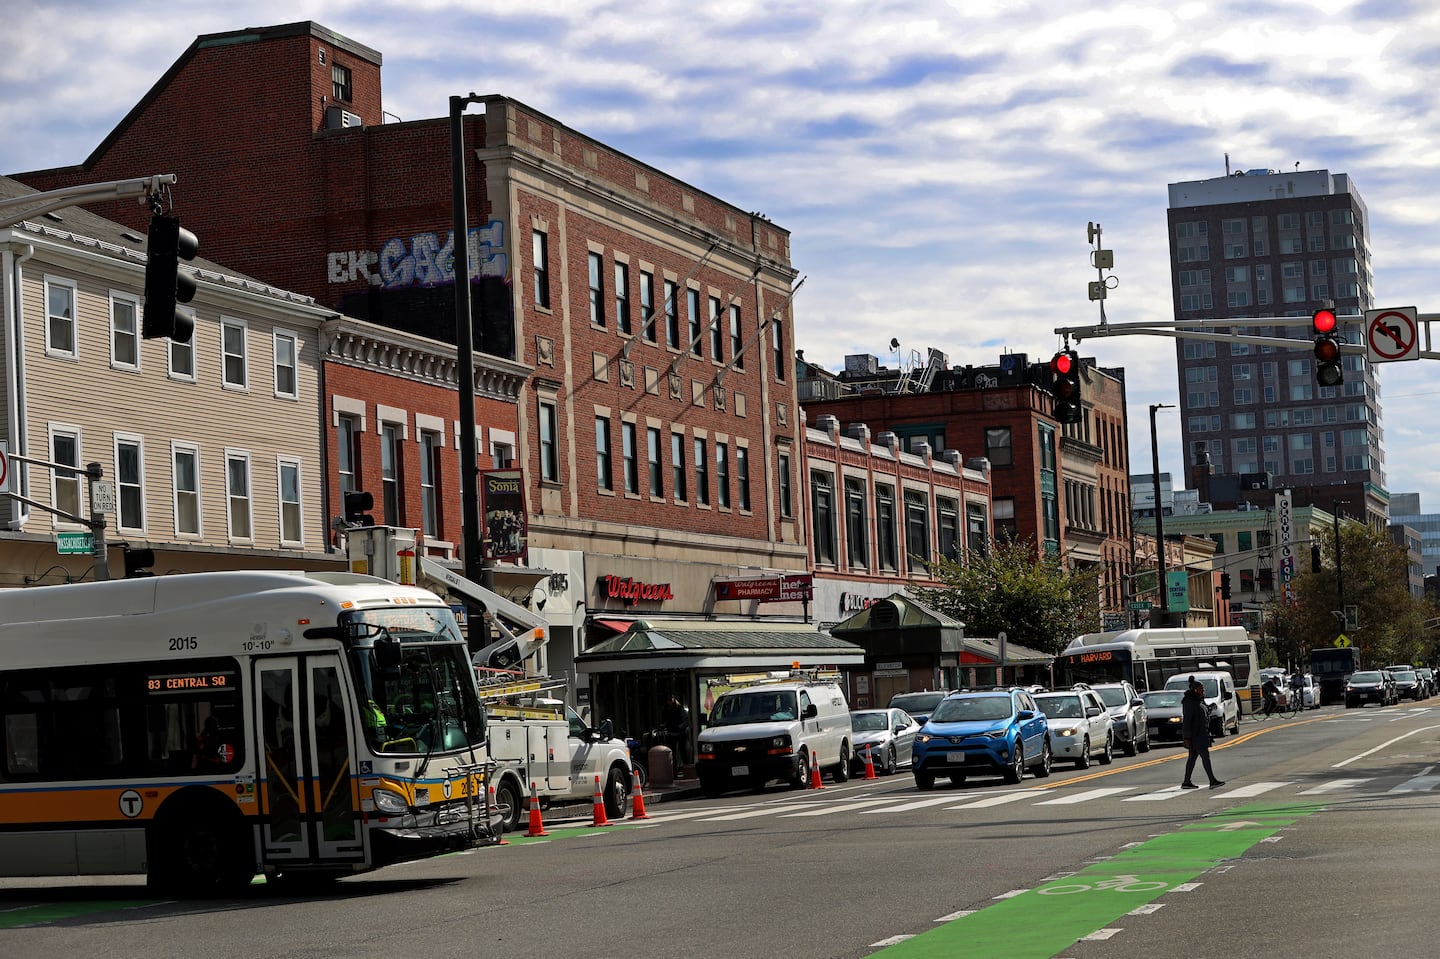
1391	622
1035	602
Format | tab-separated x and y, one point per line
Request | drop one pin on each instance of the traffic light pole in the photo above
1206	329
15	209
1159	519
96	523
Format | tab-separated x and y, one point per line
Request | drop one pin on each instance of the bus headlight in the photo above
390	803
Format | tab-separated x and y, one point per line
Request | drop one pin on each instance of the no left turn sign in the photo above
1391	334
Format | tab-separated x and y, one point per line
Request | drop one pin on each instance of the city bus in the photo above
203	728
1148	657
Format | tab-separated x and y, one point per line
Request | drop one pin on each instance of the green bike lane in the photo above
1043	922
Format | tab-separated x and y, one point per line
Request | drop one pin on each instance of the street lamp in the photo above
1159	516
471	547
1339	569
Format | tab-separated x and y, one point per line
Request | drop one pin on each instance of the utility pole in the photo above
1159	518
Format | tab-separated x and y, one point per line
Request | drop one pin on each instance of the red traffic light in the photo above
1062	363
1327	350
1323	322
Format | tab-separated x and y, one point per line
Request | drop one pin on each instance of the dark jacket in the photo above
1194	719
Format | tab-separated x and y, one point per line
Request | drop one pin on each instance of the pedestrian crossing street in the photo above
868	804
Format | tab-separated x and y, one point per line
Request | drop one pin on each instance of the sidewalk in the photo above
685	786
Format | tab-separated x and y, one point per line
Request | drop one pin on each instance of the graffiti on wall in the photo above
422	260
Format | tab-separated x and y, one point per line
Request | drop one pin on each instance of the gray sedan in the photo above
1162	710
888	734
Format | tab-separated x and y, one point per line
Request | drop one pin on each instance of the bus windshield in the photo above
414	680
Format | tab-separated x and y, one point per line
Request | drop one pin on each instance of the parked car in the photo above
1407	682
1220	696
1163	714
888	734
1127	713
1370	686
919	704
774	731
1427	679
1001	730
1311	692
1080	727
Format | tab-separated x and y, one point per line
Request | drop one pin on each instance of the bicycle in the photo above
1288	709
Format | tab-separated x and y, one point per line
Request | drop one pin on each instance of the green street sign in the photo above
1141	605
72	544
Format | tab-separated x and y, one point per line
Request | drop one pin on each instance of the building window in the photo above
742	477
622	297
597	289
182	359
787	507
237	495
672	315
539	251
549	451
340	82
124	336
130	484
392	443
947	519
717	336
677	465
1003	515
777	345
60	317
287	381
722	474
702	473
603	474
857	549
291	523
917	528
997	446
630	455
647	306
885	545
430	484
347	452
977	537
65	483
822	508
232	355
185	466
736	337
652	453
692	305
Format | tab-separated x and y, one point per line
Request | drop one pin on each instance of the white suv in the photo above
774	731
1080	726
1127	712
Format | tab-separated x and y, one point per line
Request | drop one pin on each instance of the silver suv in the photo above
1127	713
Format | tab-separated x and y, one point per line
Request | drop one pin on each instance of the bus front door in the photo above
308	798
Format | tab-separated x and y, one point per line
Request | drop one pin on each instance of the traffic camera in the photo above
1065	382
1327	348
165	285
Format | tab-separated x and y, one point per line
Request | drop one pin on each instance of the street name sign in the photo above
72	544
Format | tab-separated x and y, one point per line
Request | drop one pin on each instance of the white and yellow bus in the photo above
204	728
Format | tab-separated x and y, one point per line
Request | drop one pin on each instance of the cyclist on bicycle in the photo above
1297	689
1271	693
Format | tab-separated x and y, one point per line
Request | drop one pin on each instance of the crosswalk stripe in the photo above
1418	784
992	801
829	810
757	813
1252	789
1332	786
1169	792
906	807
1085	796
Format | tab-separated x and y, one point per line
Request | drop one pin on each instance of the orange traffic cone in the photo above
599	818
537	825
869	763
637	810
815	781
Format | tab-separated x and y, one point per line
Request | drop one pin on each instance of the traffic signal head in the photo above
1314	558
357	506
138	562
1065	382
165	286
1328	371
1224	585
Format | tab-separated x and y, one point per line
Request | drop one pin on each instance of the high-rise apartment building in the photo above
1255	246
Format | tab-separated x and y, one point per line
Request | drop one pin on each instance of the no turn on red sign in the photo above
4	467
1392	334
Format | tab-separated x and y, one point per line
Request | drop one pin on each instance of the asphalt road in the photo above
1323	837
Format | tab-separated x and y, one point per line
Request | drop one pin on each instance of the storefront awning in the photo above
727	644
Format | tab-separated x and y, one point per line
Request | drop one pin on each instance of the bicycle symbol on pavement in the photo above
1115	884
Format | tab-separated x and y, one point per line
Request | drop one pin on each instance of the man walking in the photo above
1195	729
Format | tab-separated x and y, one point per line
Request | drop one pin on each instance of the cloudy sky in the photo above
936	162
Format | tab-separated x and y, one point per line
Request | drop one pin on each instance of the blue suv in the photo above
1002	730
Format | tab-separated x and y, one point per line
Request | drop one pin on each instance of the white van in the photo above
1220	697
774	731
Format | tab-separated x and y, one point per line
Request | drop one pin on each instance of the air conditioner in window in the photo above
338	118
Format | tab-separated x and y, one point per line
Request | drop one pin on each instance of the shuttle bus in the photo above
1148	657
203	728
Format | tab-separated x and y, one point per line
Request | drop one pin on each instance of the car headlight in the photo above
389	802
705	749
780	742
1066	731
923	737
994	734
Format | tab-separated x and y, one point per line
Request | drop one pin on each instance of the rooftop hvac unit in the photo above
866	364
337	118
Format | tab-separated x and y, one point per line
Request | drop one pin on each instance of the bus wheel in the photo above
200	849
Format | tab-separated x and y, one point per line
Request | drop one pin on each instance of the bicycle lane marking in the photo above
1037	924
40	915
